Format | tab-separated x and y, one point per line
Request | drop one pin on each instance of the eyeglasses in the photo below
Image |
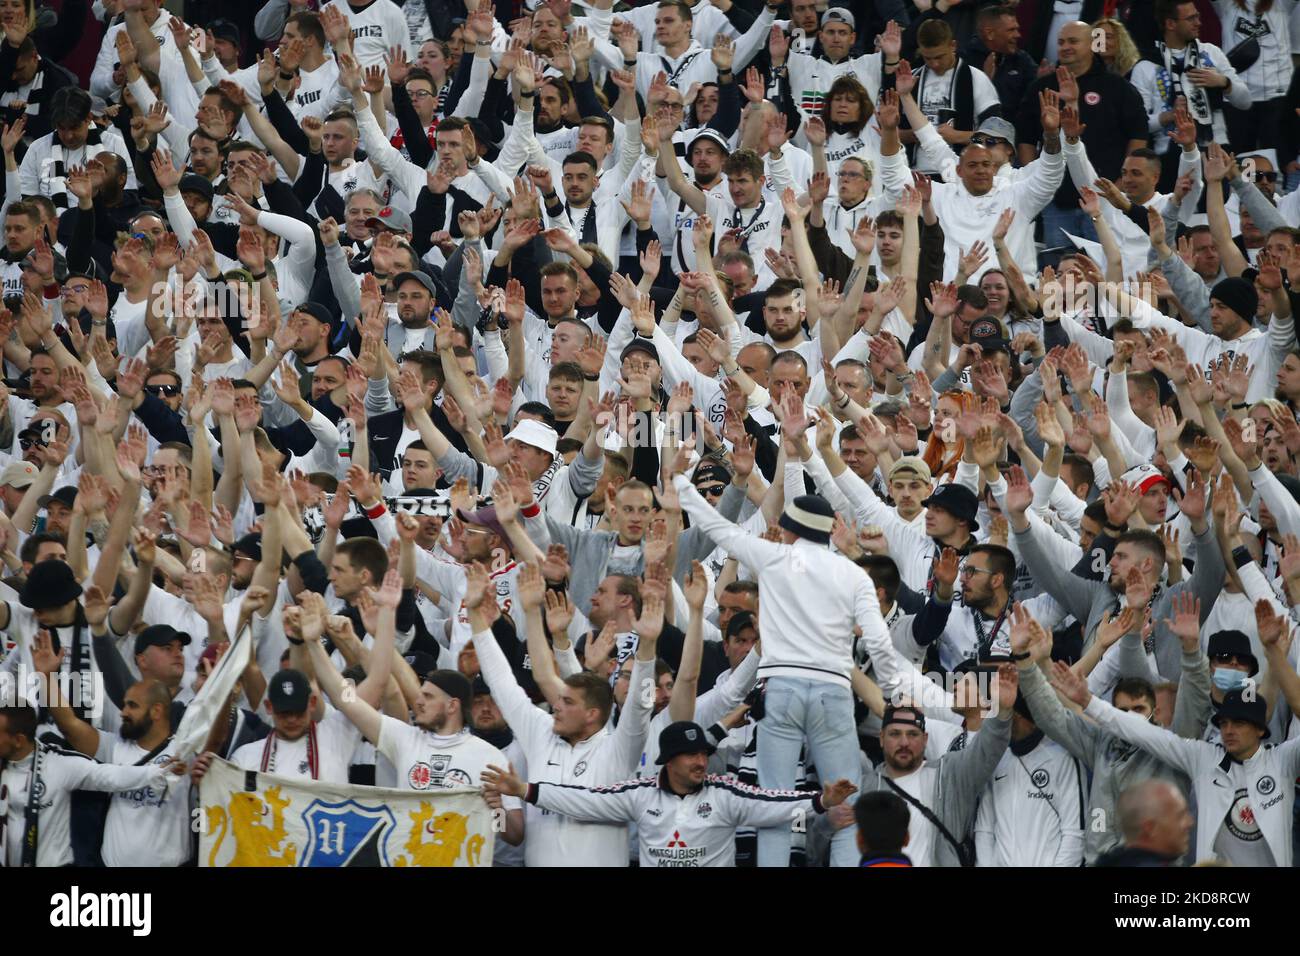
850	174
171	391
419	94
967	570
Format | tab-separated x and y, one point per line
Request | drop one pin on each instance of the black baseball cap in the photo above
739	622
194	183
223	29
421	662
160	635
67	495
903	714
711	472
640	345
987	333
289	691
249	545
317	311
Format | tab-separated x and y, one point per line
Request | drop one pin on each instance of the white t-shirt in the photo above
375	28
921	832
336	739
427	761
146	826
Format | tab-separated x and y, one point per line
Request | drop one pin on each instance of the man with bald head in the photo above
1156	823
1110	109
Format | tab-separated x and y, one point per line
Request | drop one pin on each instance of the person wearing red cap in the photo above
1136	569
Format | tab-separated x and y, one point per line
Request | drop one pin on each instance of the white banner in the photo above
259	819
213	697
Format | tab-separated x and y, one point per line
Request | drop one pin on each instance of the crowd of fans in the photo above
730	434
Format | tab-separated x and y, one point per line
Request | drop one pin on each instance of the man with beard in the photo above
705	155
438	750
106	203
41	836
980	626
1135	571
22	225
941	794
149	826
155	398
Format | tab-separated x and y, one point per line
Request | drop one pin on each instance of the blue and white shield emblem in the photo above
346	834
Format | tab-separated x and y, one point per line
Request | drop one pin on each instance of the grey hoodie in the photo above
1115	765
961	778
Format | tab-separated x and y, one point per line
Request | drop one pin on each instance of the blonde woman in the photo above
20	19
1120	53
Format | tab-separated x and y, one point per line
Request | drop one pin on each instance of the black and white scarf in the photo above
58	175
1173	81
32	97
31	814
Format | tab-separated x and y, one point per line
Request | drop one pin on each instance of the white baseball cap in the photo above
538	434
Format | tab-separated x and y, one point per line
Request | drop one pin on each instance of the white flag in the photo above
214	697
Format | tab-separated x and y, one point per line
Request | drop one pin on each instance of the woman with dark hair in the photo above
850	133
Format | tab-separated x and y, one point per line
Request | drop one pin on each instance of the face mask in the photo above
1226	679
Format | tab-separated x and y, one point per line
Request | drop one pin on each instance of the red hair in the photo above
941	457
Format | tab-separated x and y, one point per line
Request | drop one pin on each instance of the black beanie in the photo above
1238	295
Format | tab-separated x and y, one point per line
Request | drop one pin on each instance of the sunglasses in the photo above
711	489
26	443
986	141
171	391
1267	177
1229	659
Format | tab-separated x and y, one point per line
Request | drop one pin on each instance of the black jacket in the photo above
1135	856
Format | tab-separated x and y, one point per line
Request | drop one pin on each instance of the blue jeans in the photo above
799	710
1058	221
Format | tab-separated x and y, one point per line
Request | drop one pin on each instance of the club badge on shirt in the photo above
437	771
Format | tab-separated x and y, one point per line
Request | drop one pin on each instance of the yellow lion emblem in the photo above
448	837
256	844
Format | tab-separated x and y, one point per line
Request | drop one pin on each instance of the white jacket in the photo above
603	758
1267	779
62	771
698	829
809	600
1031	813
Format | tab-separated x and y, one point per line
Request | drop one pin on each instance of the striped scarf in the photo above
58	167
